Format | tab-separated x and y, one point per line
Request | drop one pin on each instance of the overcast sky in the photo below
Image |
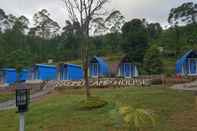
152	10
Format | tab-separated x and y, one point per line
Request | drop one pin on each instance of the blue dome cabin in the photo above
8	76
23	75
187	64
69	72
127	69
98	67
43	72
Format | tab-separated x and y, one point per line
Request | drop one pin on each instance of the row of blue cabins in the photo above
98	67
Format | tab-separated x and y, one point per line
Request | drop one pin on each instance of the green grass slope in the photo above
60	112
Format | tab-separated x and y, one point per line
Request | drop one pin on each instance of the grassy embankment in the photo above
59	111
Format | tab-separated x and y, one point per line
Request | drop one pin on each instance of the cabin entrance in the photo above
95	69
128	70
192	64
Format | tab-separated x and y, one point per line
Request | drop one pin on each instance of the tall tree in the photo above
152	61
71	28
154	30
21	24
135	40
6	21
187	13
45	27
111	24
83	12
3	18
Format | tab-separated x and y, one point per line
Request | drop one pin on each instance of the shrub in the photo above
152	61
133	119
92	103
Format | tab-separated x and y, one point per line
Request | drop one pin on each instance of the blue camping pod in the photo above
127	69
43	72
23	75
98	67
187	64
8	75
70	72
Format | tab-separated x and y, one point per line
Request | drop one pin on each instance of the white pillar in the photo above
22	121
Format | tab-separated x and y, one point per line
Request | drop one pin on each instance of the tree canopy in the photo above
25	45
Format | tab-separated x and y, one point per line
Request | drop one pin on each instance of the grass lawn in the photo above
59	111
6	96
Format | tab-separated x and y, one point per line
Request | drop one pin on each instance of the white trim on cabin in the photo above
136	74
94	68
189	71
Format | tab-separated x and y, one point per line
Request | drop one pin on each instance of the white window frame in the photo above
189	61
95	66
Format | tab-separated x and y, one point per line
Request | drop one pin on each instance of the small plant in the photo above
133	119
92	103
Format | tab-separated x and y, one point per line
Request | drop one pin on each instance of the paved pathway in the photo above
11	104
192	86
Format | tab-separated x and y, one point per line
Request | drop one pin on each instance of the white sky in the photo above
152	10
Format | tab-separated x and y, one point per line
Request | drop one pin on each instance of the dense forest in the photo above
146	44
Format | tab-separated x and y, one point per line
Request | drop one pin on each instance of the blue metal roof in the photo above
184	57
8	69
71	72
104	68
102	62
44	65
73	65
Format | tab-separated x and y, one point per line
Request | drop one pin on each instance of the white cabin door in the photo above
95	69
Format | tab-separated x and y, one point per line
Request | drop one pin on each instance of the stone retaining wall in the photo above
99	83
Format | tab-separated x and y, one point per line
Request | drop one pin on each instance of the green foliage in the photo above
133	119
6	96
185	12
152	61
59	111
92	103
154	30
135	40
45	27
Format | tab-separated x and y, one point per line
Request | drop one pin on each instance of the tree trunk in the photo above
85	57
85	51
